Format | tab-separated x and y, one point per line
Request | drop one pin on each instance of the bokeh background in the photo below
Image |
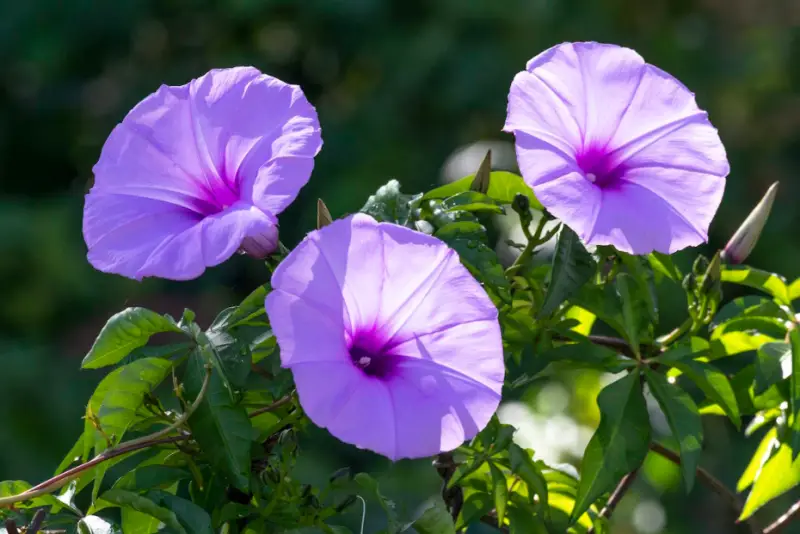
403	89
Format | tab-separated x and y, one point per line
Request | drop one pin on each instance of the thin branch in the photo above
157	438
779	524
274	406
711	483
617	495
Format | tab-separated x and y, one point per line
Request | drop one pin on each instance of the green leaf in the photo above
794	290
500	492
707	377
633	314
794	386
524	467
115	402
193	518
471	201
760	457
663	264
125	331
619	445
684	421
588	354
150	477
770	283
645	283
128	499
373	491
221	428
469	240
134	522
503	186
435	520
603	302
749	306
769	365
250	311
72	456
15	487
476	505
779	475
91	524
234	357
389	205
573	266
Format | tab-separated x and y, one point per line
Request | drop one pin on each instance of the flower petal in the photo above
573	200
635	220
355	409
122	232
305	332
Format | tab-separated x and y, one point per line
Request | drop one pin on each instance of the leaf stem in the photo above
676	333
156	438
617	495
790	515
711	483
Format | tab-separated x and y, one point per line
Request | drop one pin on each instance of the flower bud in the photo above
260	246
323	214
745	238
522	205
482	177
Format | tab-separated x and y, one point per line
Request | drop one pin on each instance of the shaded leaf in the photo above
794	391
619	445
684	421
476	505
129	499
193	518
435	520
221	428
573	266
770	359
663	264
389	205
524	467
125	331
500	492
469	240
151	476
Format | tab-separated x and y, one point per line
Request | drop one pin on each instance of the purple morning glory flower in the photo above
195	173
616	148
393	345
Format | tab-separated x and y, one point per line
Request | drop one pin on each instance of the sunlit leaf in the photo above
503	186
388	204
663	264
500	492
471	201
794	290
770	283
125	331
770	361
435	520
15	487
620	443
123	499
777	476
760	457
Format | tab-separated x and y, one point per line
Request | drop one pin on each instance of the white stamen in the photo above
364	361
591	177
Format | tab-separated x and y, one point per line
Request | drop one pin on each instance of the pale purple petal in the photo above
393	345
635	124
208	153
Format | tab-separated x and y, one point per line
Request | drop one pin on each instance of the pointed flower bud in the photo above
481	181
323	214
744	240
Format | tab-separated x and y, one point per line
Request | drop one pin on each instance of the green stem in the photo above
533	242
274	406
675	334
157	438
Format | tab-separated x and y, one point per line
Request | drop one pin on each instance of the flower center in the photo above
372	362
598	168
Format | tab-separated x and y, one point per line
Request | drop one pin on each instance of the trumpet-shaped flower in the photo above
393	345
616	148
195	173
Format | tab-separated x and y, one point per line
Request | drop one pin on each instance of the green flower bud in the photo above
745	238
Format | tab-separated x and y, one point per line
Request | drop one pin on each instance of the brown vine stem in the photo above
780	523
617	495
274	406
156	438
711	483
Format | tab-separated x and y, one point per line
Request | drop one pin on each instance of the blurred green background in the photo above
400	86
